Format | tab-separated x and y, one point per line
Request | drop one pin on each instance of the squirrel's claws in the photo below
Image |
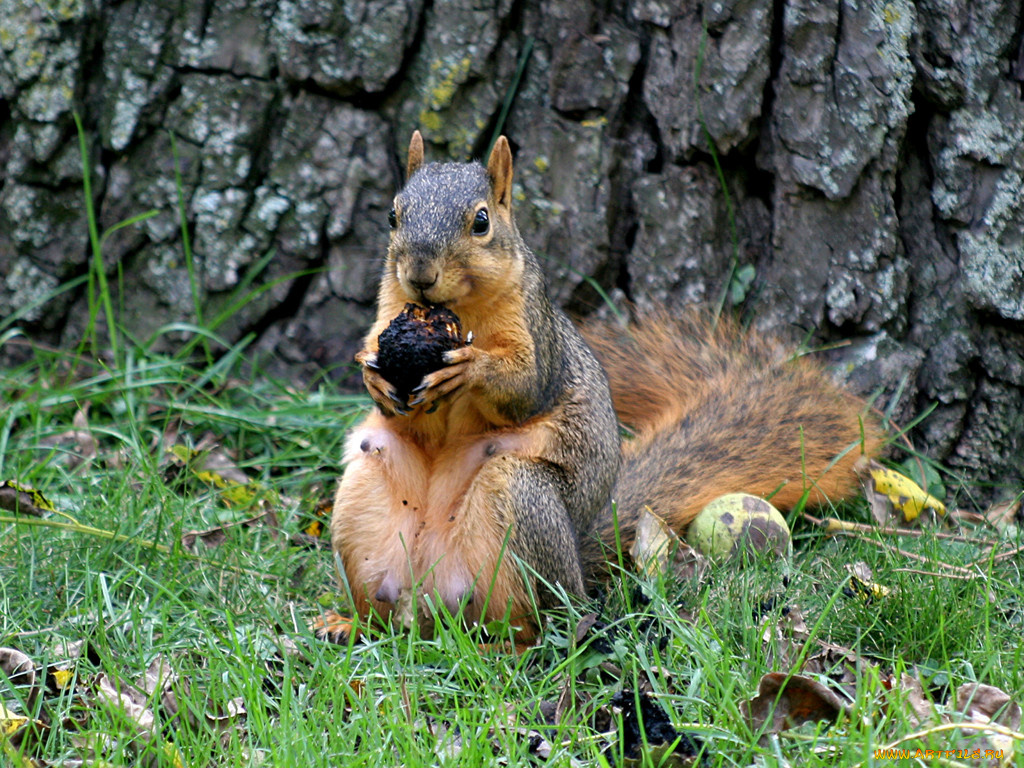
418	394
398	404
367	359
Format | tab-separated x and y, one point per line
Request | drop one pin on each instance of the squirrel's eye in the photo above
481	224
392	218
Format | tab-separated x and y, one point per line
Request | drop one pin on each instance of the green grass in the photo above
103	587
232	620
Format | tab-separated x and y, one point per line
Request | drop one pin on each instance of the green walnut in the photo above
739	522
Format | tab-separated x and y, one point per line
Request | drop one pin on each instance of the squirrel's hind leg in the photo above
375	514
513	507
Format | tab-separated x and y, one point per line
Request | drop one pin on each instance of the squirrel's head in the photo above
452	233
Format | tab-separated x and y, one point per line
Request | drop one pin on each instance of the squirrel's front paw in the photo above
456	372
380	389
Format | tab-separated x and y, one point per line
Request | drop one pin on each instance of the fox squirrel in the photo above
509	454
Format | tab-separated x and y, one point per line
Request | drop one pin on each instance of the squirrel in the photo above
503	473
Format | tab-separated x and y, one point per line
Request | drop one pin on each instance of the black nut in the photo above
414	344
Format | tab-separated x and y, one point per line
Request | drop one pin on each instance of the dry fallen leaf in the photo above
785	638
19	734
210	464
20	671
23	499
863	585
131	704
658	550
988	704
653	543
214	537
111	712
840	665
1005	516
785	701
908	693
894	497
80	447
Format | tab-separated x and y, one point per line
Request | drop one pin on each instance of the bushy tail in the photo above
717	410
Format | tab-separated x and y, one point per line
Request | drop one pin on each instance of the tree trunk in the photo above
834	170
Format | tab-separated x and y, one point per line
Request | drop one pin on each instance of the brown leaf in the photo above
214	537
20	670
840	665
211	467
158	683
987	704
230	716
127	700
23	499
74	650
687	563
909	693
584	625
792	622
653	544
210	456
79	440
448	740
658	550
789	635
1004	515
787	701
568	701
17	666
20	734
132	712
83	435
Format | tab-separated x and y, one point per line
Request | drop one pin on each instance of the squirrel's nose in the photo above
422	282
422	276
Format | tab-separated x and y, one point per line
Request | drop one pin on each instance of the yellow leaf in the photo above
62	677
321	515
863	585
236	490
906	495
10	722
24	499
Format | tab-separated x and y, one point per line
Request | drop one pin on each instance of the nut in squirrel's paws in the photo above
414	344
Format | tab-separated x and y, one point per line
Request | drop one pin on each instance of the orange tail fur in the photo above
716	410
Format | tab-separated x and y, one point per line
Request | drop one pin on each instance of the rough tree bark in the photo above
837	169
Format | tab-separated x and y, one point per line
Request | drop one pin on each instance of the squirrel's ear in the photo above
415	155
499	168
